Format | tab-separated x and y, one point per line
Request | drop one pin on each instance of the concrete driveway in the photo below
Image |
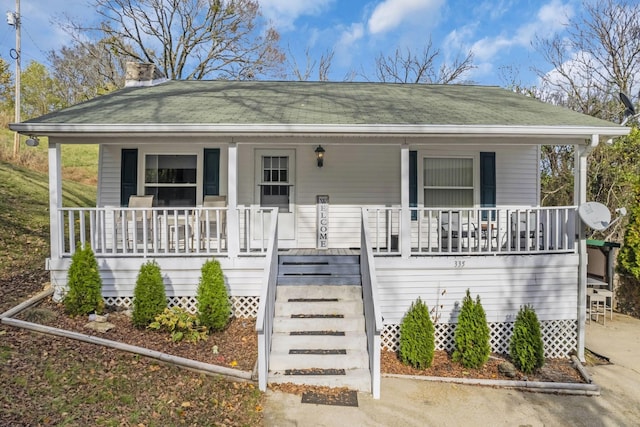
407	402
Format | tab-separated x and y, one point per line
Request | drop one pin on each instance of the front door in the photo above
275	176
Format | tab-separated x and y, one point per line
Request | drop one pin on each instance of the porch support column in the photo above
405	213
580	197
55	199
233	227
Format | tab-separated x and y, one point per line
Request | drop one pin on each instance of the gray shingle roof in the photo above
316	103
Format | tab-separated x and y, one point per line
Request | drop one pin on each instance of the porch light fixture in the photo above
33	141
320	155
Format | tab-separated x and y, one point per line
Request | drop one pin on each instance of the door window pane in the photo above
274	190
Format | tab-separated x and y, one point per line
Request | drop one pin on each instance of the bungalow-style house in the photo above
331	207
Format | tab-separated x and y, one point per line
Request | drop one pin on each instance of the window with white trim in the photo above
275	188
171	179
448	182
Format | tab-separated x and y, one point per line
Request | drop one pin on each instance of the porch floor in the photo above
311	251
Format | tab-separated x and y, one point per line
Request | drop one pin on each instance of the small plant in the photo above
417	341
149	298
85	285
213	301
472	336
180	324
526	348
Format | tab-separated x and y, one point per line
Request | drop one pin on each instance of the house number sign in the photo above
322	207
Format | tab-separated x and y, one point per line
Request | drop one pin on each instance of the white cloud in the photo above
549	20
284	13
389	14
349	36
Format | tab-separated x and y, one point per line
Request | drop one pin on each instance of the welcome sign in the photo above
322	207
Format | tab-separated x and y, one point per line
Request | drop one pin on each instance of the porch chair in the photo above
136	220
214	227
526	231
452	227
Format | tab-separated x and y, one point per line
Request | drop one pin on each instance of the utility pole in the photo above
13	19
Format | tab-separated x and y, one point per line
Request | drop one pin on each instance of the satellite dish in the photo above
630	109
595	215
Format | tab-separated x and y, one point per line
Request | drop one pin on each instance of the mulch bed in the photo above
554	370
236	346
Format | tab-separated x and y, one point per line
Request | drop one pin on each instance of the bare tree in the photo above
408	67
322	66
190	39
86	70
597	57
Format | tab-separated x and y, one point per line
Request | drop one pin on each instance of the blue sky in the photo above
498	32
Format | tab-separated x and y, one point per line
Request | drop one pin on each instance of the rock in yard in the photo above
508	369
100	326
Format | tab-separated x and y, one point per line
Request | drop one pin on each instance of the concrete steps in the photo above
319	337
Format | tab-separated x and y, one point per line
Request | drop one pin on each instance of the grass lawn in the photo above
54	381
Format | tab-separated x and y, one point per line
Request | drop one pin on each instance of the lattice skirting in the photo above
560	337
242	307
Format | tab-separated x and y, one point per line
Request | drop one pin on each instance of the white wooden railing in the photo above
116	231
266	309
489	231
372	311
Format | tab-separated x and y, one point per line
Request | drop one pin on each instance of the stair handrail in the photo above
266	308
372	312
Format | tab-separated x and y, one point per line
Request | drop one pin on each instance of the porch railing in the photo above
266	310
372	311
487	231
116	231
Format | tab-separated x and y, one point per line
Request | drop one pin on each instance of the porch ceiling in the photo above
320	108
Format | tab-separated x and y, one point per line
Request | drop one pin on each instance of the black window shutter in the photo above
488	182
128	175
413	183
211	185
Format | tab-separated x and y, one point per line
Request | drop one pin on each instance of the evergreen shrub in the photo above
85	285
471	338
526	347
149	298
417	340
214	308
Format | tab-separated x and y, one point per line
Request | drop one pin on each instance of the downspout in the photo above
580	197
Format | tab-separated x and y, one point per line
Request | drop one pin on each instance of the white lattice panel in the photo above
560	337
241	307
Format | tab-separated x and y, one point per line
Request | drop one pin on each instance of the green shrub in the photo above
629	254
149	298
526	348
213	301
85	285
471	338
417	341
180	324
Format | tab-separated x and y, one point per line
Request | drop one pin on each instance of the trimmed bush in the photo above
471	337
526	348
149	298
417	340
85	285
213	301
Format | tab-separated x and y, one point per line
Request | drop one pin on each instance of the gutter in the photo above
252	129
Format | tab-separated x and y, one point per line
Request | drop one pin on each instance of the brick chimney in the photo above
142	74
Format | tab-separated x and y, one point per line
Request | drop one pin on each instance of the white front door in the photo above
275	179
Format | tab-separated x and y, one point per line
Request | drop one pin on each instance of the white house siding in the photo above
504	283
109	176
